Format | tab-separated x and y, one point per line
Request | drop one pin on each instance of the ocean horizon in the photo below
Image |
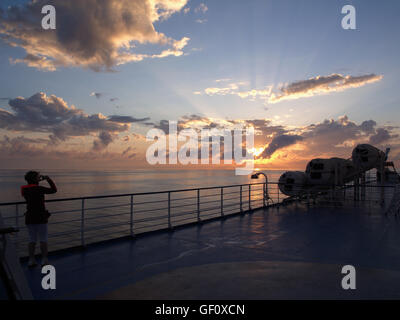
85	183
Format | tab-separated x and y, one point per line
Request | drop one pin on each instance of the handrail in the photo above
166	209
181	190
8	230
139	193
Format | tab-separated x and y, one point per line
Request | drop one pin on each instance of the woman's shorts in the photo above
37	231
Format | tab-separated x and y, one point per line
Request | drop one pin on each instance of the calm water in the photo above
92	183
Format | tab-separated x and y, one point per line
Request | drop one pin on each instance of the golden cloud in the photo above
295	90
90	34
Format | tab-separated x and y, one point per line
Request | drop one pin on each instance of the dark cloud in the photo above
105	138
381	136
126	119
126	151
329	133
37	113
51	114
93	34
162	125
279	142
368	126
98	95
327	138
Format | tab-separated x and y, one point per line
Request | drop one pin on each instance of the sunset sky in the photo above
85	95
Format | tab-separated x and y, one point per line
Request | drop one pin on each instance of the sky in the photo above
85	95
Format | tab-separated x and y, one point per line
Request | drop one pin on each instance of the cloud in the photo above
330	135
19	146
202	8
176	49
295	90
35	61
368	126
381	136
126	151
201	21
193	121
279	142
92	34
277	146
328	138
321	85
126	119
105	138
52	115
98	95
222	91
18	149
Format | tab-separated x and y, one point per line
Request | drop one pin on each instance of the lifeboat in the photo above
367	157
292	183
330	171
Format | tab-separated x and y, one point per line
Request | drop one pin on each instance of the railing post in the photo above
277	187
241	198
249	197
198	205
17	225
222	201
83	223
16	216
264	187
132	234
169	210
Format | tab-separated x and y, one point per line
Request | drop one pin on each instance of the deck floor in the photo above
289	252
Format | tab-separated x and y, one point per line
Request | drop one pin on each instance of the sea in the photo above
75	183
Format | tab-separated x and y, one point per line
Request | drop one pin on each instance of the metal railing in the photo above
371	196
82	220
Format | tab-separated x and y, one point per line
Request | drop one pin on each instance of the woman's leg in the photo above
32	230
43	249
31	249
43	242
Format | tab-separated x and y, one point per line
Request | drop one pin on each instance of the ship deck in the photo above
286	252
